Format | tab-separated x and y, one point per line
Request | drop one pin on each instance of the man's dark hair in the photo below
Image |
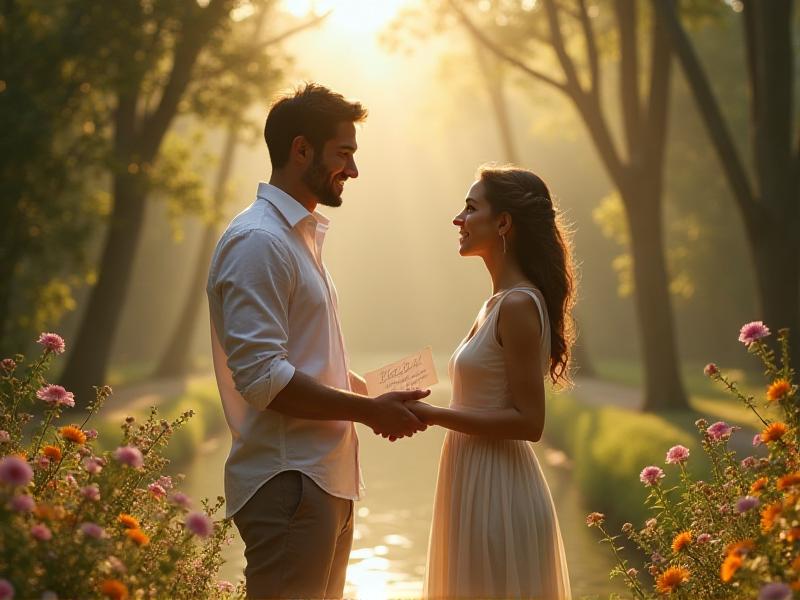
312	111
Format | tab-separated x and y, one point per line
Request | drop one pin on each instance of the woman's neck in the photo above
504	271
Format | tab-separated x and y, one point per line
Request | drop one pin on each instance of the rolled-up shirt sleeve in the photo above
251	281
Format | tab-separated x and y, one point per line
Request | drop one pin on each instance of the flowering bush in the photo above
737	535
79	523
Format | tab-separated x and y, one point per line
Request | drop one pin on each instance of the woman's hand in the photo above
424	411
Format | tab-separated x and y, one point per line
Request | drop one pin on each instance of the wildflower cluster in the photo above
76	522
738	534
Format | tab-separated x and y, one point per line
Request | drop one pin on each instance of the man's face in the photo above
332	166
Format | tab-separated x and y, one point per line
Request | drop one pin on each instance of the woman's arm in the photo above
519	331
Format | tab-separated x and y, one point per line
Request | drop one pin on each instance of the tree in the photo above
769	200
49	157
164	58
637	171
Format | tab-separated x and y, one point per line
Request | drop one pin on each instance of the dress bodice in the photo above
477	369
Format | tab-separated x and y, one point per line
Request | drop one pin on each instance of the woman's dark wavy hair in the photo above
542	246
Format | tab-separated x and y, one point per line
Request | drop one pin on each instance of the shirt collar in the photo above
291	209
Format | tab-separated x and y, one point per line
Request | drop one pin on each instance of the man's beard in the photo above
318	180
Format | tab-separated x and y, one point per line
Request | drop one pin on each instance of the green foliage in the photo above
80	522
608	446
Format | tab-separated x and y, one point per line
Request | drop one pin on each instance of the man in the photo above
282	371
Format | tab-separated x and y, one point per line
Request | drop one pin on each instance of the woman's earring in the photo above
503	236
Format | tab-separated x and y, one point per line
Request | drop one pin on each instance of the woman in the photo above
494	532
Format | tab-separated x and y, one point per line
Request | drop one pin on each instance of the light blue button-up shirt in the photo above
274	309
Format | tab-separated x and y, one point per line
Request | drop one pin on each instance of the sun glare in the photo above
365	16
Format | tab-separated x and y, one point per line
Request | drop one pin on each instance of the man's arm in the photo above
306	398
253	279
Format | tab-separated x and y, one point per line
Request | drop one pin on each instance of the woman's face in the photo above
477	226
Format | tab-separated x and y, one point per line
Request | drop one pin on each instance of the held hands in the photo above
391	416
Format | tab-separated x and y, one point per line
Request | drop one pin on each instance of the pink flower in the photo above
22	503
91	434
703	538
719	430
165	481
650	475
91	492
6	589
157	491
55	395
4	436
52	342
746	503
129	455
181	499
70	479
116	564
43	462
226	587
775	591
15	471
92	465
757	440
92	530
711	370
41	532
8	364
750	332
199	524
677	455
749	462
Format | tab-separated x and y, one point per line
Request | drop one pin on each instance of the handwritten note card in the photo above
416	371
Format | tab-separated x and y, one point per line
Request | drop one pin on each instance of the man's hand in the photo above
391	417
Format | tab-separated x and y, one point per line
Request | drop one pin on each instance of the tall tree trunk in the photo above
663	388
176	359
89	358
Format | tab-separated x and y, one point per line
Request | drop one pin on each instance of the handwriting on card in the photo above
413	372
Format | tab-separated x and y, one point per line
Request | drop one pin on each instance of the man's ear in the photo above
301	152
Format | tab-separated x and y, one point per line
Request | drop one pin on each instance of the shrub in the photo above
736	535
77	522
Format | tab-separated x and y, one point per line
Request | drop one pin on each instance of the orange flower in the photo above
683	539
796	563
789	480
773	431
768	516
758	485
795	585
671	579
49	512
793	534
137	536
778	390
128	521
114	589
739	548
52	452
729	567
73	433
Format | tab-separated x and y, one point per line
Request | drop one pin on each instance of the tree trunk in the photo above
89	358
777	262
663	386
176	359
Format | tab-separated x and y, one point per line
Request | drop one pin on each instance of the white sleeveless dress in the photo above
494	532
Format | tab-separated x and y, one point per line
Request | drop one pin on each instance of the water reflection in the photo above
391	532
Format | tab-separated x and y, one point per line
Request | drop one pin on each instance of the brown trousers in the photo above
297	539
